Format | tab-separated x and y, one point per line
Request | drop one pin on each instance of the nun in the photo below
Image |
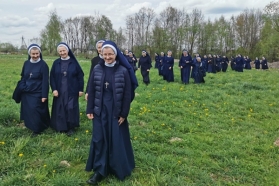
126	53
193	66
144	66
225	63
205	62
232	62
33	91
264	64
132	60
244	61
161	58
210	64
257	63
198	71
239	63
157	60
110	94
66	81
94	62
168	63
185	63
248	63
218	63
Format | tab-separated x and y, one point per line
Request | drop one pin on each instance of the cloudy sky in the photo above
28	17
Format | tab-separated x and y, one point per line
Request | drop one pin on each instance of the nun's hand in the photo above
181	66
90	116
55	93
86	96
148	70
80	94
121	120
44	99
170	68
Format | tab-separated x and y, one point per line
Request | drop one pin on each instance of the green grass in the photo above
218	133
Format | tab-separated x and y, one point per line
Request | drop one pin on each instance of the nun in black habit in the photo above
264	64
168	63
94	62
185	64
225	63
205	62
193	66
66	81
157	60
33	91
161	67
133	61
232	63
210	64
257	63
248	63
218	63
144	66
239	61
198	71
111	87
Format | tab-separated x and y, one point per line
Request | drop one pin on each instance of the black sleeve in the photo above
91	70
52	77
91	94
80	78
45	82
126	101
139	64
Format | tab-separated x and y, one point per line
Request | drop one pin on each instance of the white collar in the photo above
110	65
65	58
32	61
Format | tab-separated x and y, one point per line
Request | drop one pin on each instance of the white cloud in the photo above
162	5
45	9
136	7
15	21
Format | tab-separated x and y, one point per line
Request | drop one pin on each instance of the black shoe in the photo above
97	177
70	132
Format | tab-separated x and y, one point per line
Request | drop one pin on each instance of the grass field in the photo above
222	132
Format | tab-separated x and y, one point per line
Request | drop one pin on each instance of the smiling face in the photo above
63	52
108	55
185	53
34	54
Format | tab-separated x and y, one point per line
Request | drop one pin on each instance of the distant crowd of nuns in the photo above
109	93
190	67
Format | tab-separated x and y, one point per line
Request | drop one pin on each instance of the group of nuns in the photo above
109	93
66	81
187	64
240	62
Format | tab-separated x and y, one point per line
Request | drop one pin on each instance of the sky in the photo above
28	17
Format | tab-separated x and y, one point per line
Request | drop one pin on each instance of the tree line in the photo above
253	32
